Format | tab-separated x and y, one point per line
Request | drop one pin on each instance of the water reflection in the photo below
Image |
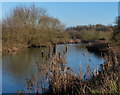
78	56
17	67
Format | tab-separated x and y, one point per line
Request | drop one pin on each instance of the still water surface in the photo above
18	66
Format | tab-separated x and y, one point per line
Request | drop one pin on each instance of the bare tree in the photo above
53	24
27	24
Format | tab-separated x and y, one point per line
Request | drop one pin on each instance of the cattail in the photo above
96	72
80	75
102	67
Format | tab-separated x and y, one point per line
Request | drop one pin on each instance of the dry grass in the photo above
63	81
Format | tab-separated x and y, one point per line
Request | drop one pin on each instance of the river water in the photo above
17	67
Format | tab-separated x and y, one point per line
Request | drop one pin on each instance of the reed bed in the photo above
57	79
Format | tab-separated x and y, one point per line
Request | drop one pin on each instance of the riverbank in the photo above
108	80
26	58
98	46
17	48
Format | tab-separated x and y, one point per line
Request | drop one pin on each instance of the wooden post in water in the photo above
59	55
49	47
48	55
46	58
49	50
54	49
42	53
66	49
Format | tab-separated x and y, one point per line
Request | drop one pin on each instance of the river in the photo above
17	67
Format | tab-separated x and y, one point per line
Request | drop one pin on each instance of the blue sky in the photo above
72	14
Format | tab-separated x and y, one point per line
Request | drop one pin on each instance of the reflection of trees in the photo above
22	64
83	48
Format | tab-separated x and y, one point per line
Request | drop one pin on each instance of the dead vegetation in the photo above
58	79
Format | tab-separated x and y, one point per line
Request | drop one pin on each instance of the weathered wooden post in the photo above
42	53
59	55
49	51
49	47
46	58
48	55
66	49
54	49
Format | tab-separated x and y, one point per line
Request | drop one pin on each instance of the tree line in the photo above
32	26
116	34
26	26
91	32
